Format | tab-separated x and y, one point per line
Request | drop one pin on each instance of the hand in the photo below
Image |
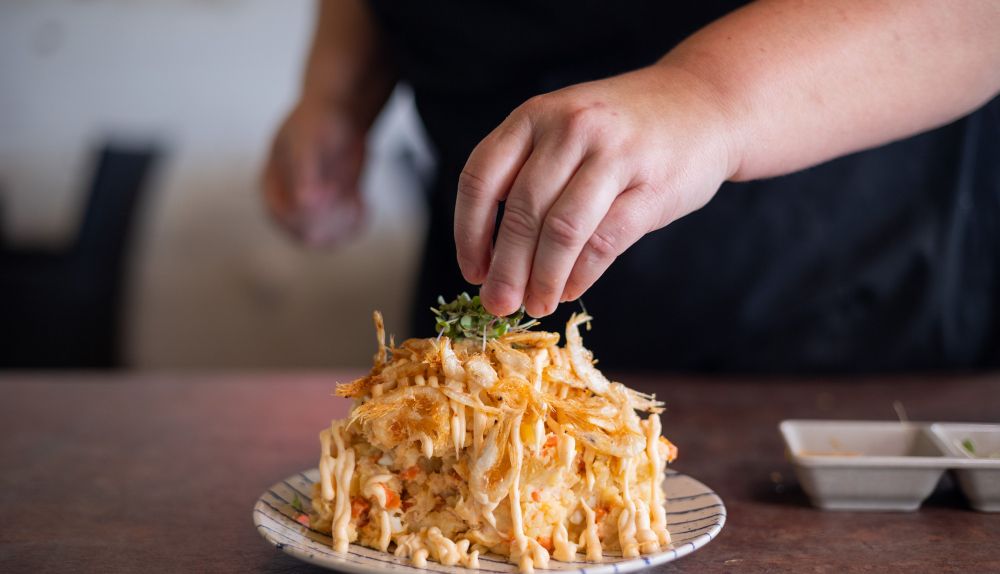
585	172
311	178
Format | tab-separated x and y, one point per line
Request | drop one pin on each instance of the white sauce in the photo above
514	497
430	542
325	466
343	471
626	520
589	538
563	549
659	522
648	541
567	449
539	434
426	445
385	531
457	426
375	487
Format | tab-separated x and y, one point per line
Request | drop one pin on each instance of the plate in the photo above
695	515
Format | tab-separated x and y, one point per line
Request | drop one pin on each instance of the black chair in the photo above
62	309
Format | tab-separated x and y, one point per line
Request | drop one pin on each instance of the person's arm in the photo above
348	68
769	89
807	81
311	178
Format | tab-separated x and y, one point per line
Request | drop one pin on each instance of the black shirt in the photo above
885	260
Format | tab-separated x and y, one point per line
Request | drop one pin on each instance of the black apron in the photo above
885	260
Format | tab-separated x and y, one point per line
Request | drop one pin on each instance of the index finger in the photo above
483	184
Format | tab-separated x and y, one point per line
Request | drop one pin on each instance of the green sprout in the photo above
297	503
466	318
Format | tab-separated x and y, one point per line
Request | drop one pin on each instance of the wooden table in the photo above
126	473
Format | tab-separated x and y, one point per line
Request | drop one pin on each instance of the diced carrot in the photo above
303	519
359	506
410	473
535	496
599	513
392	501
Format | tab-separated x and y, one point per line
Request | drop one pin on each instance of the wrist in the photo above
336	89
359	112
718	110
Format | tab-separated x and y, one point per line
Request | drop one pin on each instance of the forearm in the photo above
348	67
805	81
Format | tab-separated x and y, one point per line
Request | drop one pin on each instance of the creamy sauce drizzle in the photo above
627	518
659	522
589	538
342	466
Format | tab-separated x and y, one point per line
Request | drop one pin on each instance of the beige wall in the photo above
214	284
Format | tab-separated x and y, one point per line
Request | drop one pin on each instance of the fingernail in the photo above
488	297
527	307
472	275
566	296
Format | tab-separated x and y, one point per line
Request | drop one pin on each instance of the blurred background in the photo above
132	234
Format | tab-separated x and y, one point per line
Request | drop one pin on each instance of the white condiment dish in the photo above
864	465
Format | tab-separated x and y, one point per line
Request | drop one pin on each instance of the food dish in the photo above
510	444
491	438
695	516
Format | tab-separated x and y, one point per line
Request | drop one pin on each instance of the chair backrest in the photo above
62	309
117	184
101	251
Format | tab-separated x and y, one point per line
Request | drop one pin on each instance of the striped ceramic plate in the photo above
695	516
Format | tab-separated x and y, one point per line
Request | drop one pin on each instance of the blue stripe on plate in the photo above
699	509
308	497
691	497
716	515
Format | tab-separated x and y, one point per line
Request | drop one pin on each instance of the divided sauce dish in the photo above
894	466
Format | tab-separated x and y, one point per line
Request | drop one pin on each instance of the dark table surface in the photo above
126	473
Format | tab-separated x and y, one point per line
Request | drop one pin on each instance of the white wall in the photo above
214	283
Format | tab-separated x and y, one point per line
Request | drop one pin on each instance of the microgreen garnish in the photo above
969	447
466	318
297	503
